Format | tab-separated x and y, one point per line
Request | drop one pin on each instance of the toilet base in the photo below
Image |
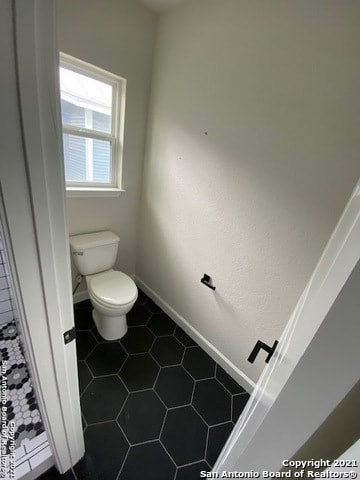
110	328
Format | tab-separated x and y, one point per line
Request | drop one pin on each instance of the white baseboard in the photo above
214	353
80	296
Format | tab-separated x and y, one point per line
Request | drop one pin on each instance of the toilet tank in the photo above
94	252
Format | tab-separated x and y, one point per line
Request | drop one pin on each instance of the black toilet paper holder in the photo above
206	280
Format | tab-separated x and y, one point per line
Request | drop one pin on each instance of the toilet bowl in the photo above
112	293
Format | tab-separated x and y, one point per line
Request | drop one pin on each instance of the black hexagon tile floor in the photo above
154	404
142	417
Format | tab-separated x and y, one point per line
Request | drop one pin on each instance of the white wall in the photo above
253	202
117	35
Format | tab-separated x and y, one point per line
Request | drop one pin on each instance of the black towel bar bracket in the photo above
206	280
261	345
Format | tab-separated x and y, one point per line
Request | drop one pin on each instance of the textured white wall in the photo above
275	85
117	35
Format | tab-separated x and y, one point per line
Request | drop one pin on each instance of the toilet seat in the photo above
112	289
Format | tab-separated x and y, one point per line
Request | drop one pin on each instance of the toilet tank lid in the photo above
91	240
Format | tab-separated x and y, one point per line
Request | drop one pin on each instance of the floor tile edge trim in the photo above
209	348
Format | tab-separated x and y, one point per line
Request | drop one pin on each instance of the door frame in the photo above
34	216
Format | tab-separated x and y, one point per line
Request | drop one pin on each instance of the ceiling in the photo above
160	5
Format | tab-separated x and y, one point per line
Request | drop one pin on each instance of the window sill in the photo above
93	192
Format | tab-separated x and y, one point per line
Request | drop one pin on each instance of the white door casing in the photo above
33	198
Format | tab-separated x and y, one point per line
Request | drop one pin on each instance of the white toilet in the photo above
111	293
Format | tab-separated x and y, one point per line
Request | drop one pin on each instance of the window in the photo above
92	113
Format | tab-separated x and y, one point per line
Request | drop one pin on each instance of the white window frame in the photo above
116	136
